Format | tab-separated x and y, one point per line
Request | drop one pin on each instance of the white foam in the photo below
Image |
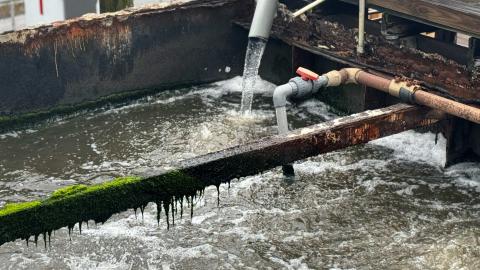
80	263
197	220
315	167
200	251
245	234
235	85
317	108
95	148
11	134
416	147
293	264
470	183
408	190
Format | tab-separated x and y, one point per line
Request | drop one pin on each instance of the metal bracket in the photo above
474	58
402	31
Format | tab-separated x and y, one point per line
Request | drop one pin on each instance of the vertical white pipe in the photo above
361	26
97	7
263	18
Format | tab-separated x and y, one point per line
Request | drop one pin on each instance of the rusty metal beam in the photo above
100	202
326	137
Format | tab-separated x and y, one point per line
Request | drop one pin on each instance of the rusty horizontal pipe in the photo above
452	107
373	81
406	91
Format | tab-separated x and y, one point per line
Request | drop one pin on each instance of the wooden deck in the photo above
458	15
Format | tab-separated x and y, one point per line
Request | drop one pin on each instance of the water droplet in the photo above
142	208
173	212
181	207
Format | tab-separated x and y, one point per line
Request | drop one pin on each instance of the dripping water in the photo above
166	207
181	207
253	58
50	238
142	209
172	203
159	211
70	228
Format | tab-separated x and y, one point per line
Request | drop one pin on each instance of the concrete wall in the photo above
82	60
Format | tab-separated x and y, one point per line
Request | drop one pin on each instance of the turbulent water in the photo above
384	205
253	59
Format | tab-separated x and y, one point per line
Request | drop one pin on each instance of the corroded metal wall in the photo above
99	55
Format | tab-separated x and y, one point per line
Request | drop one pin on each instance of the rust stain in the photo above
332	137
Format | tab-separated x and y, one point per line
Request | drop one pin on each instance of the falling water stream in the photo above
383	205
253	59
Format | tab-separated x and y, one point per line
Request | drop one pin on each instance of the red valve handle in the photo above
307	74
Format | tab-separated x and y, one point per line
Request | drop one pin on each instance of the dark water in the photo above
385	205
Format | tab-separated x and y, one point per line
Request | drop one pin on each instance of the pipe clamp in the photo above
395	87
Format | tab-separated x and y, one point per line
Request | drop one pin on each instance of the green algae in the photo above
11	208
67	191
81	203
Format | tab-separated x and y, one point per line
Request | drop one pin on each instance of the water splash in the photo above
255	49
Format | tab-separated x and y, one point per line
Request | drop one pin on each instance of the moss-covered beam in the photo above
82	203
68	206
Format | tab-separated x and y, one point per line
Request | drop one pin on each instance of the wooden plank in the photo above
459	15
100	202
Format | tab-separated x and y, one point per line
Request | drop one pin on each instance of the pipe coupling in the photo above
334	78
346	75
403	90
351	75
